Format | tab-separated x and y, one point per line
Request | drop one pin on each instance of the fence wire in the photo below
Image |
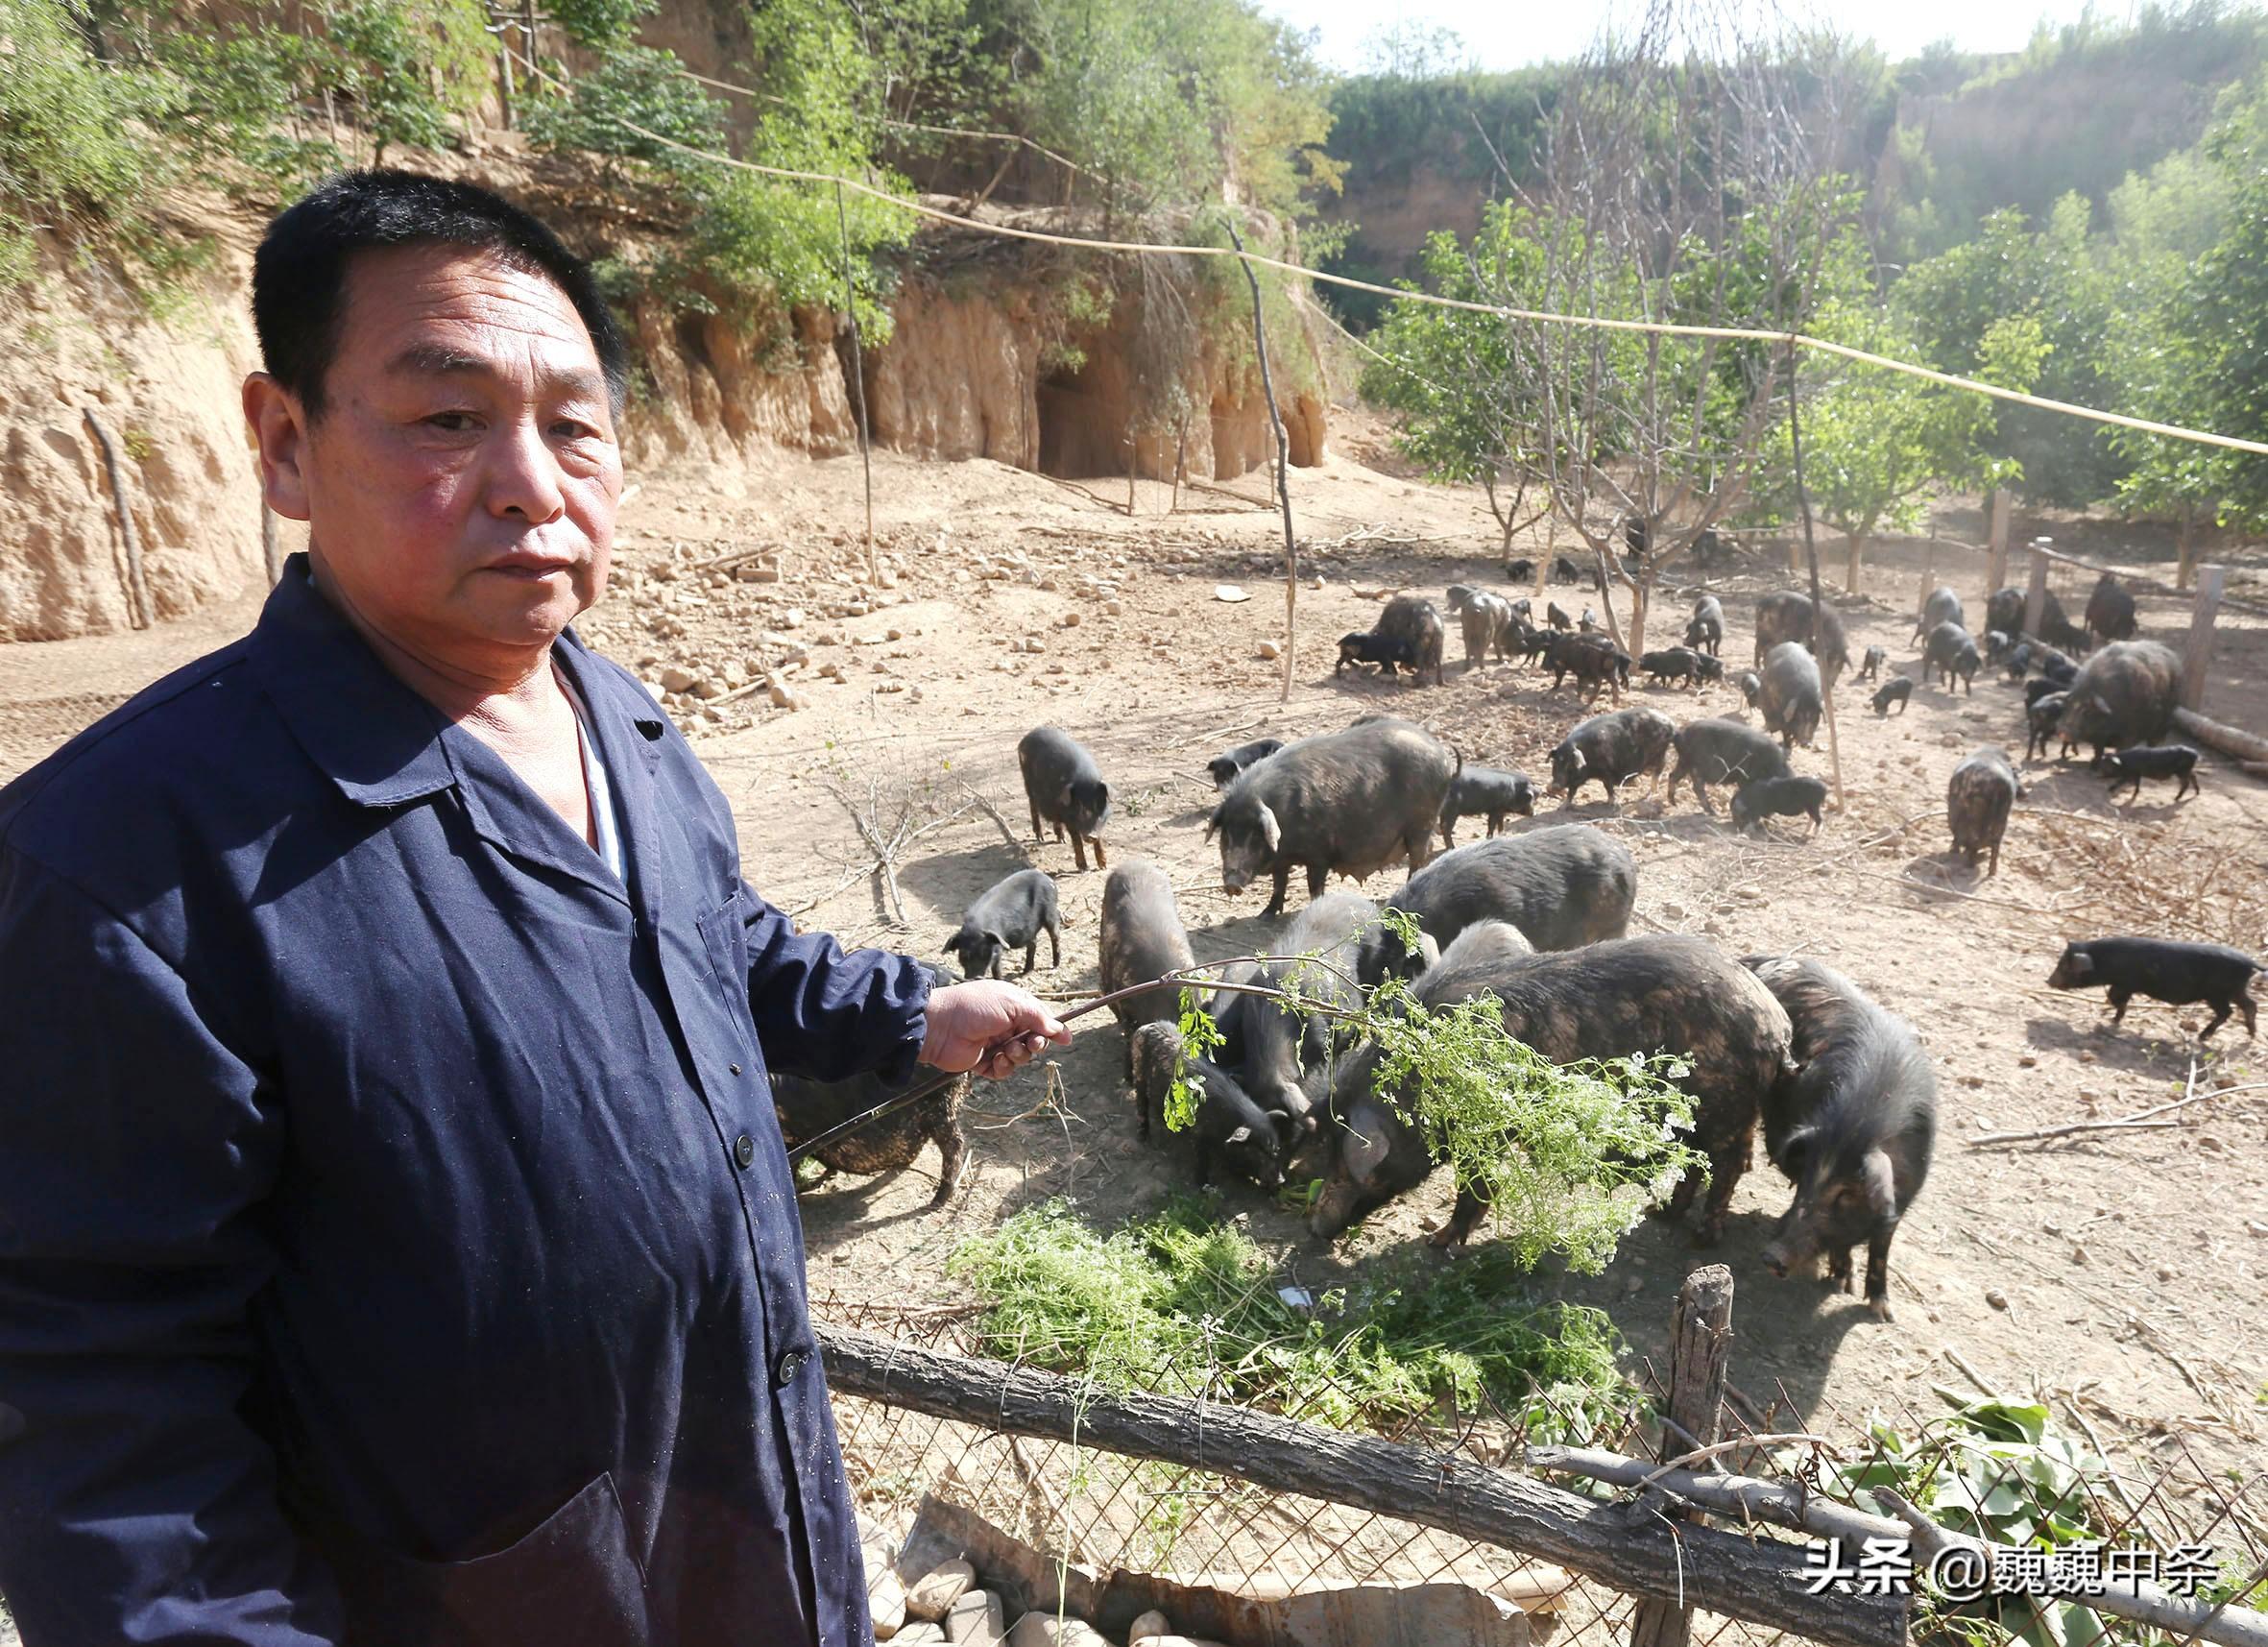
2193	1526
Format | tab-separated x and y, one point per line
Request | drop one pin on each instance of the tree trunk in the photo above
1850	561
2187	569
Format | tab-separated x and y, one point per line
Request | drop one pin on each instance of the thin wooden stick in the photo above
858	371
1283	467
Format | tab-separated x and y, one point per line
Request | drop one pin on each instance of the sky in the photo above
1502	37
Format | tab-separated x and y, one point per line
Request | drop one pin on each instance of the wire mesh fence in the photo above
2023	1527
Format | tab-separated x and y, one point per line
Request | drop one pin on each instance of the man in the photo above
396	1245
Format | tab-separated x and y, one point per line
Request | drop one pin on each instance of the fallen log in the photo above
2238	744
1632	1549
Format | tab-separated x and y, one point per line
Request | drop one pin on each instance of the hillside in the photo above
1940	142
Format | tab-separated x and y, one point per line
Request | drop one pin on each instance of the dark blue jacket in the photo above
396	1240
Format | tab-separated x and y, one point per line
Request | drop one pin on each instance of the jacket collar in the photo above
371	735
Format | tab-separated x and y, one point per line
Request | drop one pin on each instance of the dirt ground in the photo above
2128	1269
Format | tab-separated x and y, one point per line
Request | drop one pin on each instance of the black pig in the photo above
806	1108
1011	915
1352	801
1705	633
1870	667
1674	993
1066	789
1411	619
2179	974
1223	768
1369	646
1853	1128
1611	749
1229	1126
2124	766
1483	791
1790	699
1980	793
1722	752
1761	798
1563	887
1143	938
1899	692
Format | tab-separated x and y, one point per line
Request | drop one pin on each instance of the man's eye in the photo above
568	429
450	422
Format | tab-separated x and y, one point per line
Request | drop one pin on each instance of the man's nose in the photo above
523	474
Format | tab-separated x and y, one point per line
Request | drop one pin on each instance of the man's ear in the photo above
278	424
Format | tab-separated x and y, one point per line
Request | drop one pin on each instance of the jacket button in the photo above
744	1150
784	1371
735	1068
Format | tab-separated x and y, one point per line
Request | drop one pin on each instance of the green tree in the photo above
1876	441
631	88
1452	375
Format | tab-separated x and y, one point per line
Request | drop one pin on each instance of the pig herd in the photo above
1536	921
1843	1093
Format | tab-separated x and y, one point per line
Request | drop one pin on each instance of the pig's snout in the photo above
1777	1261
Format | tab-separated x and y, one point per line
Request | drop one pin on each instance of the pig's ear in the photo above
1288	1128
1366	1146
997	941
1213	823
2082	963
2102	703
1429	953
1881	1184
1270	831
1239	1136
1794	1150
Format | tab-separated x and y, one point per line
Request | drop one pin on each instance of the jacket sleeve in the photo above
135	1150
828	1013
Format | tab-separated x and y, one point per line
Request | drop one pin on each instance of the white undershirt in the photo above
603	819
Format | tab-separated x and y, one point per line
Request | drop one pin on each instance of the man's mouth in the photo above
531	566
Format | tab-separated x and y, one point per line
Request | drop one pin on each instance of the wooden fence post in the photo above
2199	653
1700	1334
2036	597
1996	571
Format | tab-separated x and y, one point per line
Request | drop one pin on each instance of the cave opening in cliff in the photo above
1083	421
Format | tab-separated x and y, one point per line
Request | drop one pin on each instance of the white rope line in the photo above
908	125
1545	317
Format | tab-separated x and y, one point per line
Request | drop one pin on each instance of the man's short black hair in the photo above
298	276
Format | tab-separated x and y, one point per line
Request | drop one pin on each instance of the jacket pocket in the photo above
572	1579
724	939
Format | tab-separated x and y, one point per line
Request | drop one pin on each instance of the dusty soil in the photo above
2130	1269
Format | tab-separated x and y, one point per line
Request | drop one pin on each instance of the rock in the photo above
1150	1624
711	686
976	1620
894	635
1034	645
1997	1298
1673	911
677	679
922	1634
1112	608
934	1592
793	618
885	1600
784	698
1043	1629
1072	621
1269	649
1230	593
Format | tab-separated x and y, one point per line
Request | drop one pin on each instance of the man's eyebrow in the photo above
442	360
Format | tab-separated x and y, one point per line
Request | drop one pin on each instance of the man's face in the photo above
460	486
